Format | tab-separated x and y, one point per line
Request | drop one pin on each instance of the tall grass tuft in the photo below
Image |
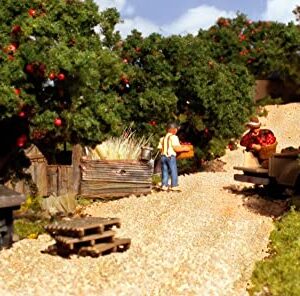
126	147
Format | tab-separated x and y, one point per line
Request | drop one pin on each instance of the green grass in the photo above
82	201
279	274
25	228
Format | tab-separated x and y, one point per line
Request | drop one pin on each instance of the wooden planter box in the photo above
114	178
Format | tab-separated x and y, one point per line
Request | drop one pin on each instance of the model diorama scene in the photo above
149	149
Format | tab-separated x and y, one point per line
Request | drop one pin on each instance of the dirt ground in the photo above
202	241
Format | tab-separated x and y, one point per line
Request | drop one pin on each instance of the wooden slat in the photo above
111	185
119	180
107	195
60	179
115	190
118	245
77	152
103	171
79	227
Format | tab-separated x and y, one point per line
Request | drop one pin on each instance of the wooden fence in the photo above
49	179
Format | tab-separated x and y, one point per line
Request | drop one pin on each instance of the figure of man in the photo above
254	139
169	145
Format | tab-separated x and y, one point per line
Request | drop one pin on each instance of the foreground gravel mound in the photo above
202	241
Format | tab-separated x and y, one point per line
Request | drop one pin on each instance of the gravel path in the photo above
202	241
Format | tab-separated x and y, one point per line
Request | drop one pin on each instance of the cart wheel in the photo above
296	195
275	191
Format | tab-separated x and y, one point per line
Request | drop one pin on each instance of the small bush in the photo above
84	202
279	274
25	228
269	101
128	146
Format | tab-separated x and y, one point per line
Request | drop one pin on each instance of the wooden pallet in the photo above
118	245
80	227
88	236
72	243
103	248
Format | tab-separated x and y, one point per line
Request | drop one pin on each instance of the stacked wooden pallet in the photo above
88	236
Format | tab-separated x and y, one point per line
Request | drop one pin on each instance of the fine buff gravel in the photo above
202	241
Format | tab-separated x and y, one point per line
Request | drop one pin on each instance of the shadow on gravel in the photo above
257	200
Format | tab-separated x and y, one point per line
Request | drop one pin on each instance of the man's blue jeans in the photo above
168	164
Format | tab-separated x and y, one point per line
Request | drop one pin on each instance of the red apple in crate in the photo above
57	122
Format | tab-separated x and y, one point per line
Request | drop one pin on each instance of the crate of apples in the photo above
187	154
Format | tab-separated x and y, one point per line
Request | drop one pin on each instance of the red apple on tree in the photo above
17	91
16	29
61	76
21	141
152	123
29	68
52	76
32	12
57	122
12	48
22	114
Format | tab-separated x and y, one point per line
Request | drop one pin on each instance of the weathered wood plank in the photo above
111	185
60	179
116	190
107	195
10	198
73	242
79	227
118	245
76	156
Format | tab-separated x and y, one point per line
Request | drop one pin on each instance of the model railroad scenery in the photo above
147	165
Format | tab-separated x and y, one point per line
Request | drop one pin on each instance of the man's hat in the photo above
172	125
253	123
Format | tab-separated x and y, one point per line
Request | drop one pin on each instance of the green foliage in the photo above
31	203
82	201
156	179
66	77
269	101
279	273
25	228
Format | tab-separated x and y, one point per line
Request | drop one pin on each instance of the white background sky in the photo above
188	16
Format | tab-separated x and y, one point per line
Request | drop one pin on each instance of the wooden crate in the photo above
114	178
